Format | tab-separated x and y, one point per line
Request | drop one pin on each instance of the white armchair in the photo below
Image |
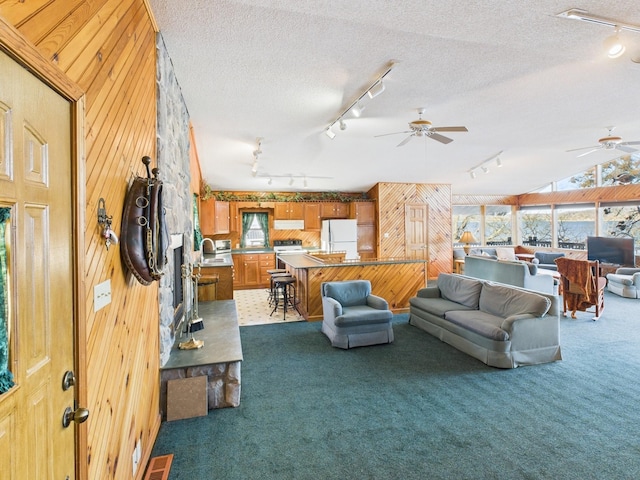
625	282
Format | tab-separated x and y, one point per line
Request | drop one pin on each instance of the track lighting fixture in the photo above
613	45
376	90
291	178
330	133
484	165
356	108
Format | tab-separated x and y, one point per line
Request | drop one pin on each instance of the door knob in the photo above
68	380
79	415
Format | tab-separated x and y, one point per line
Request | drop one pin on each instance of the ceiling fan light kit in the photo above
613	45
356	108
424	128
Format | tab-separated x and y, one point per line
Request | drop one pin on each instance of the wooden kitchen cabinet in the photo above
334	210
235	223
288	211
363	212
251	270
312	218
214	217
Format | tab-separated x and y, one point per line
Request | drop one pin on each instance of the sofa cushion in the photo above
504	301
465	291
506	253
435	306
362	315
479	322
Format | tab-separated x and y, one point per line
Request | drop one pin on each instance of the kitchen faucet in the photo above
202	248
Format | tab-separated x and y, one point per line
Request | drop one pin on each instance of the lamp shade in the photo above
467	237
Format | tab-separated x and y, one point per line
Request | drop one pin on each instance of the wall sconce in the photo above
104	221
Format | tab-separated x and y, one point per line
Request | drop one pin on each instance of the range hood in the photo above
288	224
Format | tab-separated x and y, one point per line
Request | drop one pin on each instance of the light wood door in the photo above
35	183
416	231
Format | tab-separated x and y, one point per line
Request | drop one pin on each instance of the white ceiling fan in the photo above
424	128
610	142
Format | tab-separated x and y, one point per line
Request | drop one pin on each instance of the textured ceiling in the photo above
522	80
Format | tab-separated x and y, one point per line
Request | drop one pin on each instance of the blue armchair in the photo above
353	317
547	260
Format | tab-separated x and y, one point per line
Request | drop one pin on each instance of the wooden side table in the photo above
458	264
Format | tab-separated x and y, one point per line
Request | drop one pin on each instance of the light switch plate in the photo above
101	295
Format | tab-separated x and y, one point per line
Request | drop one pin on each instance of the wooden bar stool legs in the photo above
284	294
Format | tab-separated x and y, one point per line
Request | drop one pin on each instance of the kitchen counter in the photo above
395	280
216	277
213	260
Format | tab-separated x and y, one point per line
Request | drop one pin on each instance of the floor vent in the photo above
159	467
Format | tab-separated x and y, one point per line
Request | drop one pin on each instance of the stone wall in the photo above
173	162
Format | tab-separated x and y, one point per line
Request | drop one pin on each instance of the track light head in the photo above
330	133
343	125
376	90
485	169
472	174
270	181
357	109
498	162
291	181
614	46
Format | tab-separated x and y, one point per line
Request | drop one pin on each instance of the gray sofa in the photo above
500	325
547	260
625	282
516	273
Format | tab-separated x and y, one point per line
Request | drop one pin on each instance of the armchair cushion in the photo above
348	294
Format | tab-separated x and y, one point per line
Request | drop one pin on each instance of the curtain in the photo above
197	234
263	220
6	377
247	219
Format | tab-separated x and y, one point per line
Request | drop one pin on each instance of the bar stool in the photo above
284	291
276	272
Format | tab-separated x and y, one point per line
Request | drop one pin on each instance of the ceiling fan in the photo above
610	142
424	128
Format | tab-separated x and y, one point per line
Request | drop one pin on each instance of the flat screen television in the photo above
616	250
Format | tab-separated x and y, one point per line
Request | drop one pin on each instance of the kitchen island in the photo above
395	280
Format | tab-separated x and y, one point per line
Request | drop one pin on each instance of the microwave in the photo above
222	246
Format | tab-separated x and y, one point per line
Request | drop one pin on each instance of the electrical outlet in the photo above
135	458
101	295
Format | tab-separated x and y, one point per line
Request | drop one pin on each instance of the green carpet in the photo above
419	409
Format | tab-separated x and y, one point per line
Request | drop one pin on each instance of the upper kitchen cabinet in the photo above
214	217
288	211
364	212
312	218
334	210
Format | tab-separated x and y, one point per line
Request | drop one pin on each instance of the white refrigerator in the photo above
340	236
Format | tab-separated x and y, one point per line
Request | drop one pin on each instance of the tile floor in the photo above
253	309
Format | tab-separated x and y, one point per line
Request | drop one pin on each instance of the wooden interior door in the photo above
416	231
35	183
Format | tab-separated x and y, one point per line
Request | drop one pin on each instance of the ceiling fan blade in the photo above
582	148
637	142
395	133
450	129
404	142
440	138
587	153
624	148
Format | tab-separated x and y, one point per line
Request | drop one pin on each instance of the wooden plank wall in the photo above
392	198
108	48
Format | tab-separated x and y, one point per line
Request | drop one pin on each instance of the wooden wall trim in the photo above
21	50
584	195
468	199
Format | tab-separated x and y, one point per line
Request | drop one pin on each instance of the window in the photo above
621	220
575	224
466	218
497	225
534	224
255	230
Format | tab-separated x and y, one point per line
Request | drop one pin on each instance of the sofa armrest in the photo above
428	292
331	308
377	302
528	332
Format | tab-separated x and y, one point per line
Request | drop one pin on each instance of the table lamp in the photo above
467	238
